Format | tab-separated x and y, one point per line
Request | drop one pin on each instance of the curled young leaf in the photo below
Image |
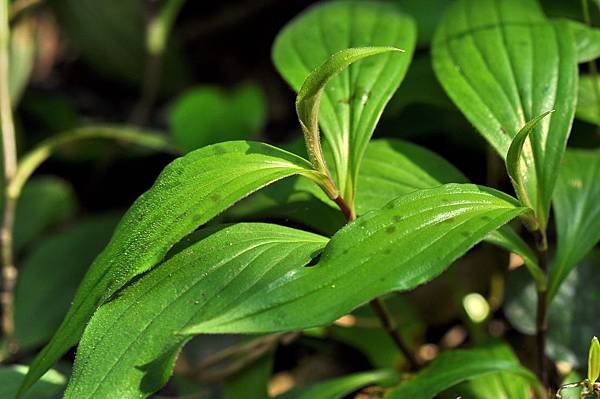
594	361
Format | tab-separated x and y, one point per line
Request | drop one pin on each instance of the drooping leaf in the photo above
188	193
502	385
393	167
587	40
207	115
588	101
60	260
48	387
503	63
44	202
133	355
339	388
397	248
453	367
354	99
571	316
577	213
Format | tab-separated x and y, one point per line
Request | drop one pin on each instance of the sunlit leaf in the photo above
189	192
503	63
48	387
354	99
577	212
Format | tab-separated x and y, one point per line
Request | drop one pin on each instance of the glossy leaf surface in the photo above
587	41
354	99
60	260
572	317
577	212
189	192
503	63
399	247
453	367
394	167
207	115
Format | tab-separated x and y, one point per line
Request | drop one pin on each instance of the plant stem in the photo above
542	309
378	305
9	156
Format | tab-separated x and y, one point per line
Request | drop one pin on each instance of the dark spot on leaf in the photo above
396	218
215	197
390	205
219	150
486	218
390	229
445	200
465	234
449	220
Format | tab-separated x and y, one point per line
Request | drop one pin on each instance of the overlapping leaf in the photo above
250	279
188	193
577	211
587	40
588	101
354	99
453	367
49	386
503	63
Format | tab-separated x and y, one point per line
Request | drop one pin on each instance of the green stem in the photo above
542	309
31	161
9	156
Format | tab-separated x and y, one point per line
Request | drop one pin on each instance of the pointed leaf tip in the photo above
594	361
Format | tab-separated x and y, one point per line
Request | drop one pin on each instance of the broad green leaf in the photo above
251	382
588	101
507	238
494	386
22	56
308	101
60	260
341	387
453	367
48	387
207	115
503	63
354	99
577	213
393	167
517	175
587	40
131	342
230	284
189	192
572	315
594	360
44	203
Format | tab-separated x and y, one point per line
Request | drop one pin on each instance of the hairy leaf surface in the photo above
354	99
250	279
503	63
189	192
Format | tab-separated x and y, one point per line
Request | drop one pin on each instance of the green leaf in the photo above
251	382
44	203
188	193
22	57
354	99
308	101
502	385
453	367
250	279
58	261
588	101
587	40
503	63
514	164
594	360
48	387
224	115
577	213
339	388
133	355
572	315
393	167
507	238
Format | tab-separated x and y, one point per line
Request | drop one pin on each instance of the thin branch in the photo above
9	156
